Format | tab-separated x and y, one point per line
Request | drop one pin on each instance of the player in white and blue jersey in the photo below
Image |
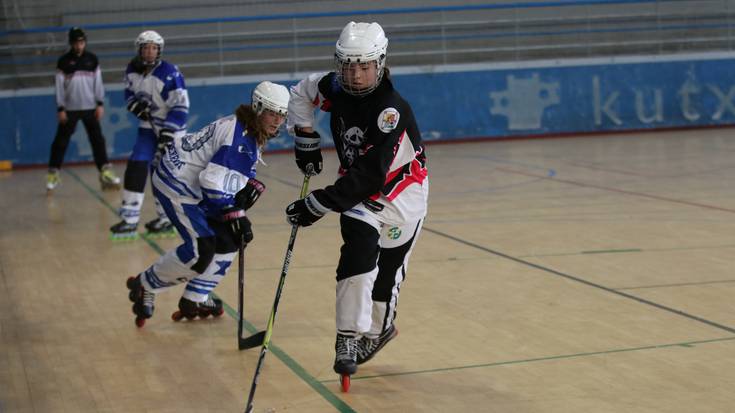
205	182
156	94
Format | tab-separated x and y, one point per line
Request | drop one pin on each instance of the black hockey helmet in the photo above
76	33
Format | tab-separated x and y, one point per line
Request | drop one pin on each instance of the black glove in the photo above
165	135
305	212
239	222
308	153
246	197
140	108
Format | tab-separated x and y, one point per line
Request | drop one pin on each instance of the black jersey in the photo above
382	159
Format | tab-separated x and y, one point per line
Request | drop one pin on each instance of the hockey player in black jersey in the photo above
381	192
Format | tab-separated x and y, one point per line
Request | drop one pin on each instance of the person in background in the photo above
80	95
156	94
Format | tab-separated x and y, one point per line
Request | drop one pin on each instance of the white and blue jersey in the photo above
164	90
210	166
198	176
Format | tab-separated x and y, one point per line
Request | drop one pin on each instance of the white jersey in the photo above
210	166
164	90
79	82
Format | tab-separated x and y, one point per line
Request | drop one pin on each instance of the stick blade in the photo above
256	340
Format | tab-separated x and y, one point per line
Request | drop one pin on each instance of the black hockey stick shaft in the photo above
272	319
240	289
159	147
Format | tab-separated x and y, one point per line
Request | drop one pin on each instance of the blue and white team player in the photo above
156	94
205	182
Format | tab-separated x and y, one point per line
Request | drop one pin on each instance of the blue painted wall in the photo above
454	105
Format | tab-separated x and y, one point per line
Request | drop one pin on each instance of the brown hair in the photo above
249	120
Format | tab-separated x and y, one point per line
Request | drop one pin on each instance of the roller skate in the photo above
142	300
190	310
345	361
368	347
52	180
122	231
160	227
108	179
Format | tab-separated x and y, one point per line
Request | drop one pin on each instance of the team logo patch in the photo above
394	233
388	119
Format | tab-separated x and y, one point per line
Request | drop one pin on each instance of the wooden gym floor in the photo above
586	274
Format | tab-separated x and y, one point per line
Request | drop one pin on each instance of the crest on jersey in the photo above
388	119
394	233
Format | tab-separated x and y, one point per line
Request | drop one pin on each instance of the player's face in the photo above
271	121
359	76
78	46
149	52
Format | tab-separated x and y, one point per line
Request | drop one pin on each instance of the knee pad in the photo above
205	247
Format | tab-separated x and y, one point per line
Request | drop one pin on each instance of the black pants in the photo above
65	130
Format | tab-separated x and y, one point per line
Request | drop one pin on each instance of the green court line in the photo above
292	364
688	344
611	251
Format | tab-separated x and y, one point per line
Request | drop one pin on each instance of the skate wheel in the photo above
139	322
176	316
130	283
344	383
219	313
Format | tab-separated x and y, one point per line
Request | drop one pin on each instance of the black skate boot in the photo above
122	231
142	300
190	310
368	347
160	227
345	361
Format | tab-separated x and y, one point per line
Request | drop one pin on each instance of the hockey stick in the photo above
159	147
241	288
259	338
264	337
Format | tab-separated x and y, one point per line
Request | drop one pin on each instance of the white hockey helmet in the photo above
149	36
360	43
271	96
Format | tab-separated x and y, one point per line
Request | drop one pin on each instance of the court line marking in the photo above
620	191
304	375
585	282
683	284
540	359
573	278
233	313
292	364
690	248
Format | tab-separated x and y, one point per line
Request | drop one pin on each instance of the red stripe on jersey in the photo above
416	171
416	175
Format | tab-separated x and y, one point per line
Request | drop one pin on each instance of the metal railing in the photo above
289	43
